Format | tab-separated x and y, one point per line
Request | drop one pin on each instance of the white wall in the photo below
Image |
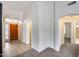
16	9
24	31
35	26
26	37
13	14
27	16
61	9
46	30
42	25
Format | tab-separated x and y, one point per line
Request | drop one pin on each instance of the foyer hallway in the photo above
14	48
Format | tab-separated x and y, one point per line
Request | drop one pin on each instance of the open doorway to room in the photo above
67	32
69	29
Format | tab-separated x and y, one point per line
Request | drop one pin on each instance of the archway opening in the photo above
69	29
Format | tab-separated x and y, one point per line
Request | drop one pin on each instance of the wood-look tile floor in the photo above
15	48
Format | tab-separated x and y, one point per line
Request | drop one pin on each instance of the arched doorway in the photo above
73	30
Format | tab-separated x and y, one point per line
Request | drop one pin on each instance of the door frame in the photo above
61	31
70	31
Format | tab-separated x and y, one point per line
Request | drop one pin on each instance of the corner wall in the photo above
43	26
46	25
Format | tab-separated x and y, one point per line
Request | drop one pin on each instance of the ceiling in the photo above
16	9
17	5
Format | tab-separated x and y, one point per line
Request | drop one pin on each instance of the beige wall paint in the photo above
77	32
